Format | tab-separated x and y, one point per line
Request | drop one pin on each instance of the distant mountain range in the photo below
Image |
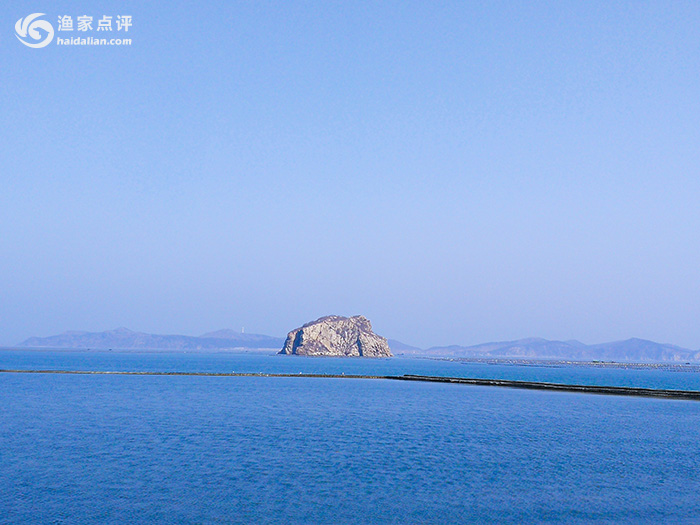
123	338
630	350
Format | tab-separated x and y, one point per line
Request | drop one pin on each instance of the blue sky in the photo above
458	172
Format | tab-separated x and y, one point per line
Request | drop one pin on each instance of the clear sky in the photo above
458	172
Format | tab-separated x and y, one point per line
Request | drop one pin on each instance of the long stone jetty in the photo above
693	395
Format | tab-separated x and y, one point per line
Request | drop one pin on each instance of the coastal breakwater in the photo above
561	387
692	395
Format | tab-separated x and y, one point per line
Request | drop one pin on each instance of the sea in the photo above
201	449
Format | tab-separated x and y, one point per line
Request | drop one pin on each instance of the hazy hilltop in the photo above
244	339
637	350
403	348
123	338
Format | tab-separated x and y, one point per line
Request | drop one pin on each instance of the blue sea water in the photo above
673	377
182	449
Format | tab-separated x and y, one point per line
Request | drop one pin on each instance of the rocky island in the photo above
337	336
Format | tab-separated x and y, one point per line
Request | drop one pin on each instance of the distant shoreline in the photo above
690	395
232	350
632	350
685	366
557	363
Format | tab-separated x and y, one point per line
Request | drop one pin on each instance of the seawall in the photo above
692	395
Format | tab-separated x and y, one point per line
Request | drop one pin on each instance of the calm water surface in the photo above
118	449
680	378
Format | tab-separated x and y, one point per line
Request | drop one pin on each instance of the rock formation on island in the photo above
337	336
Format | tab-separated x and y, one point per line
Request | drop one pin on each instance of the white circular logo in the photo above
26	28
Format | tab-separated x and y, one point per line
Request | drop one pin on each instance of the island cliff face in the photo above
337	336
